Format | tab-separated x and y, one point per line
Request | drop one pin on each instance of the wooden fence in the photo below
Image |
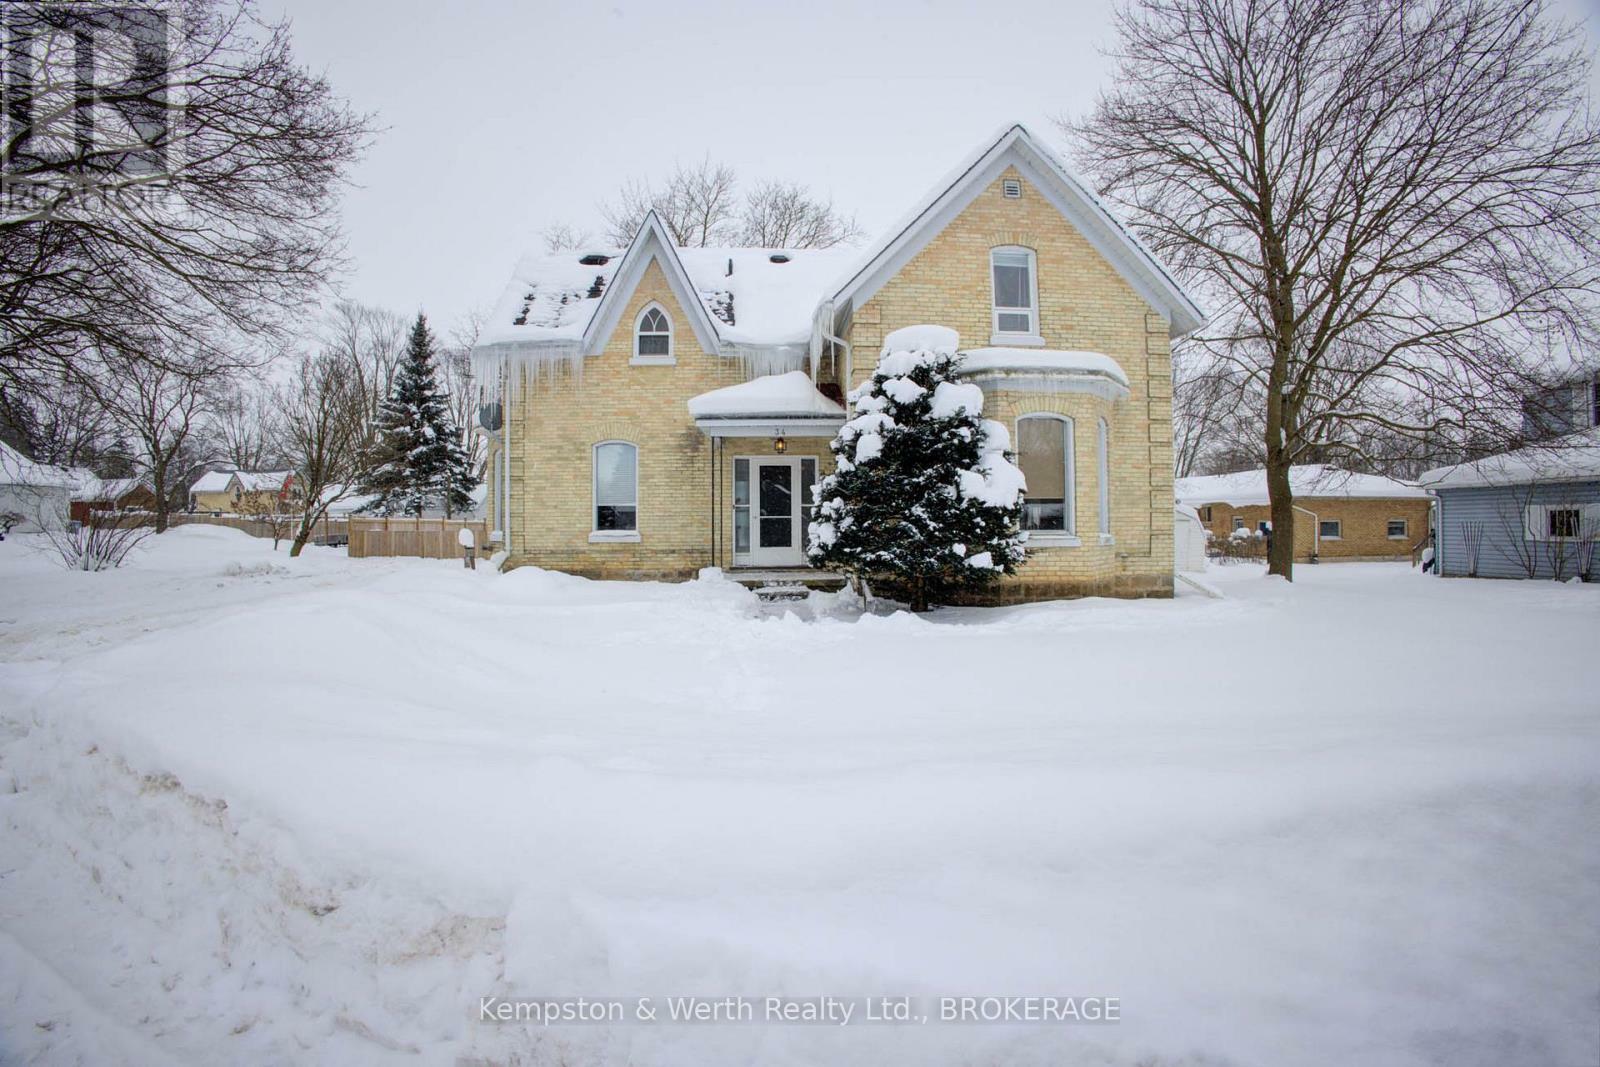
428	538
325	531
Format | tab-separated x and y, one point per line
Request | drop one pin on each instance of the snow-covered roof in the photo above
259	481
17	469
212	482
788	395
773	302
1041	360
1247	488
553	298
1573	458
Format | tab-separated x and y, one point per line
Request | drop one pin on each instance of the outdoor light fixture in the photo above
779	444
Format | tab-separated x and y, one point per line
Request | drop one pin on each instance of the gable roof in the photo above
259	481
555	301
212	482
17	469
1016	147
779	302
1249	488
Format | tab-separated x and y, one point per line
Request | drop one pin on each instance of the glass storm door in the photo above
778	533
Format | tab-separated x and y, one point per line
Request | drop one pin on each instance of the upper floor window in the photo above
616	488
1044	452
1016	303
652	336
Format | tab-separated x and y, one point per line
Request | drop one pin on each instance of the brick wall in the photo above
1363	525
1084	304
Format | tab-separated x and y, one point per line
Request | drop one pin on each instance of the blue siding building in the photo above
1533	513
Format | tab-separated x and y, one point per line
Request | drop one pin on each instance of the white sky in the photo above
502	116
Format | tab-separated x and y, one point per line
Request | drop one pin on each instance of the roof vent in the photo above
779	257
730	267
1012	188
594	259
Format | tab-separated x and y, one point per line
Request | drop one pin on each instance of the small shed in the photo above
33	496
1188	539
1531	513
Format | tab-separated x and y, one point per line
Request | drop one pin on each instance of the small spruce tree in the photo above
923	495
417	459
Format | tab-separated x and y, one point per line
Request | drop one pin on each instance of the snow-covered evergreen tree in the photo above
923	494
417	460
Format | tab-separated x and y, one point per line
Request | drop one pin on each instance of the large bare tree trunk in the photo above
1280	560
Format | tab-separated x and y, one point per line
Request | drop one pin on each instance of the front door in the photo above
777	535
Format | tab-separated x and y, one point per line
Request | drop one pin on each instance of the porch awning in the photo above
773	403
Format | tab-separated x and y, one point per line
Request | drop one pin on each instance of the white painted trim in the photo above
1016	147
1071	488
1001	338
651	243
598	535
795	554
1053	539
770	426
1102	475
671	357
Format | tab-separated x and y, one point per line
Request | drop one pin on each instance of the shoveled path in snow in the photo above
314	814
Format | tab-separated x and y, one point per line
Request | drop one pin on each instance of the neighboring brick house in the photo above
1340	514
666	409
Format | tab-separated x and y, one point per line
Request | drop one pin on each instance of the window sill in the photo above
652	361
1053	540
1016	340
1107	539
601	537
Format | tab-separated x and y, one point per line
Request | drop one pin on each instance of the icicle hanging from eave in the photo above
519	366
760	361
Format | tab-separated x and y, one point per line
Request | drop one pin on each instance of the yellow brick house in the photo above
657	410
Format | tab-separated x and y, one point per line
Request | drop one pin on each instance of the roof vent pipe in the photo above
730	266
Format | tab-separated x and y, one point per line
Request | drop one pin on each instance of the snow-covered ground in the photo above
261	810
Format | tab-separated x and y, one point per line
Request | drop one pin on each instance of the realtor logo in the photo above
88	109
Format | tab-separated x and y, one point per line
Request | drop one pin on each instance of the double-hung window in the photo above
1016	303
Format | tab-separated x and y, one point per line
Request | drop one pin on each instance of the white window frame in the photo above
1103	476
1405	529
1069	535
597	535
1011	337
671	356
1338	524
1536	518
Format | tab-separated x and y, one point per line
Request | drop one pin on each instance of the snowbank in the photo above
313	814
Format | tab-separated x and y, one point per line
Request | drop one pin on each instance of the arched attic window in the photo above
652	336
